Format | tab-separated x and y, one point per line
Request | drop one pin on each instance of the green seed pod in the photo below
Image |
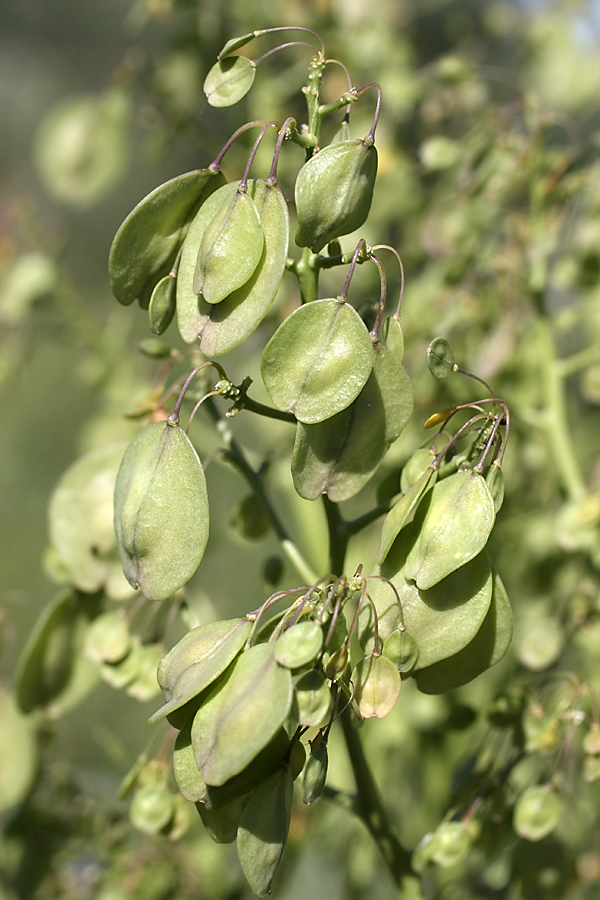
414	467
161	510
450	844
318	360
376	686
162	304
250	519
229	80
299	645
314	775
152	808
222	824
333	192
263	830
456	527
230	249
337	662
108	638
440	357
401	648
591	741
312	702
537	813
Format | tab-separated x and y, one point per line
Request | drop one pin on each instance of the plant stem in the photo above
371	809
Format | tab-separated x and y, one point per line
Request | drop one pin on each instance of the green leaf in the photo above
18	752
146	244
400	514
337	457
393	337
262	767
161	510
456	527
486	649
162	304
187	775
377	686
333	192
222	824
415	466
241	715
197	661
230	249
229	80
237	43
440	357
263	830
318	360
314	775
80	523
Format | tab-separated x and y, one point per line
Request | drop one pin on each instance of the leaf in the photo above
400	514
161	510
80	523
263	830
318	360
197	660
162	304
314	775
18	752
146	244
456	527
237	43
229	80
222	824
440	357
486	649
225	325
241	715
230	249
262	767
376	686
339	456
393	337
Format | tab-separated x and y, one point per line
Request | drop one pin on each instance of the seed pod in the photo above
263	830
450	844
152	808
339	456
315	771
376	686
299	645
161	510
229	80
401	648
536	813
312	699
108	638
337	662
333	192
230	249
455	529
146	244
318	360
250	519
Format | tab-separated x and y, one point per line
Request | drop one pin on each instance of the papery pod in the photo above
333	192
312	702
318	360
486	649
339	456
455	529
299	644
52	671
161	510
229	80
230	249
314	775
80	523
145	246
377	686
152	808
197	660
161	308
443	619
241	715
263	830
401	649
18	752
108	638
222	824
223	326
537	812
401	513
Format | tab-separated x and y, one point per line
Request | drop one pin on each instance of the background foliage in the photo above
489	187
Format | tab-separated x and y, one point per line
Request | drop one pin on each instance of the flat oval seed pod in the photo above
401	648
339	456
108	638
225	325
152	808
299	645
318	360
230	249
312	699
333	192
229	80
314	775
161	510
376	686
146	244
162	304
80	523
486	649
248	709
450	844
456	528
536	813
263	830
440	357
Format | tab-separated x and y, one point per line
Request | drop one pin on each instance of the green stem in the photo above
236	456
371	810
338	536
556	420
307	273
